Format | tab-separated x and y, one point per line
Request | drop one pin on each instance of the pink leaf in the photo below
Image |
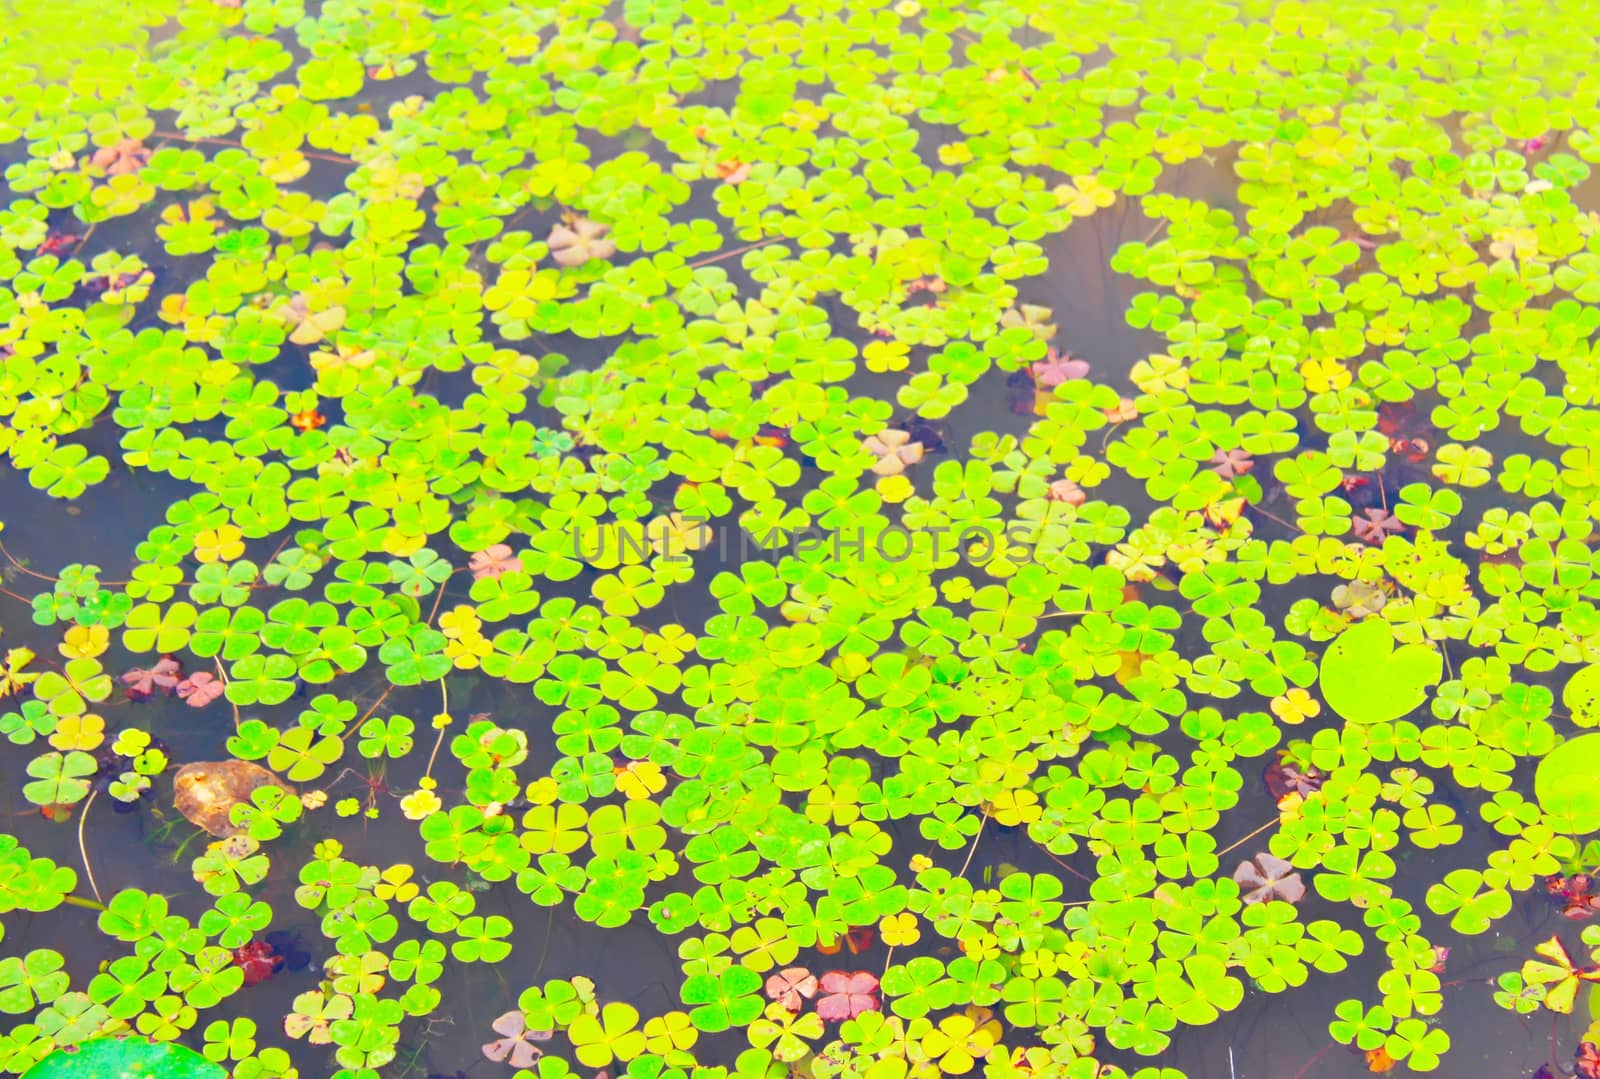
200	689
143	683
493	561
791	987
848	994
1231	463
1058	367
516	1047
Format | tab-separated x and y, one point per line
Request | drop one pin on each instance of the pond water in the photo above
777	146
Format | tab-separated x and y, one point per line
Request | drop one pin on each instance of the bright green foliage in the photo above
1366	679
630	379
1566	787
130	1058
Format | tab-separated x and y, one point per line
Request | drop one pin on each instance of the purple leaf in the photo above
1284	778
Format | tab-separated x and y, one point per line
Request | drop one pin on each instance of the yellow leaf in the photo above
85	642
1220	515
420	804
222	544
84	732
12	677
640	779
899	929
401	545
1324	375
1296	706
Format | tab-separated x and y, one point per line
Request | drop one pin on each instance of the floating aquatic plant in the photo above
633	371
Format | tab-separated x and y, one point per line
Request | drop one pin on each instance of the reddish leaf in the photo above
59	243
860	938
1283	778
1410	435
200	689
1396	417
126	156
258	960
848	994
1587	1065
143	684
1577	895
493	561
791	987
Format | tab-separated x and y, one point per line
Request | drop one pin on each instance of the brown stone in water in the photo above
205	792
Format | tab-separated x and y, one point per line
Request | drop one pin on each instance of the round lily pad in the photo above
125	1058
1366	679
1582	696
1566	788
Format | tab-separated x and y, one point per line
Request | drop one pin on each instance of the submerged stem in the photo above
83	851
79	901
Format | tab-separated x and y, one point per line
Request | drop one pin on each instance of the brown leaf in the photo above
205	792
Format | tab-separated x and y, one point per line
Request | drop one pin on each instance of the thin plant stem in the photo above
335	159
1051	855
444	710
974	848
224	680
1306	1068
544	949
83	850
1269	515
375	705
24	569
1235	846
437	600
84	240
721	255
